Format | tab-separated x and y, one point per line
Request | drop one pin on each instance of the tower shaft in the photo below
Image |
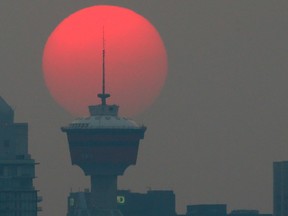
104	191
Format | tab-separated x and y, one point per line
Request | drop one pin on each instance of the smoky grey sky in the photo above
219	123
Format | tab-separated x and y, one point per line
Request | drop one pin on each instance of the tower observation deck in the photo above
103	145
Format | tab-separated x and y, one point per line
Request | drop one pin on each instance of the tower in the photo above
103	145
17	169
280	188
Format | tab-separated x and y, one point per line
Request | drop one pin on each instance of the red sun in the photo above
135	60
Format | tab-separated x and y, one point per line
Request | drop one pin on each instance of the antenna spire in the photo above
103	95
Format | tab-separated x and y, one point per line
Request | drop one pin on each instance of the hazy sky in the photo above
221	119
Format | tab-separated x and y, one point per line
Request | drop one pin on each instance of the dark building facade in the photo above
207	210
280	188
152	203
18	196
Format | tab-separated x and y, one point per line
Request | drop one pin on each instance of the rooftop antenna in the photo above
103	95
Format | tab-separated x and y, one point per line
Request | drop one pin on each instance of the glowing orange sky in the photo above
136	60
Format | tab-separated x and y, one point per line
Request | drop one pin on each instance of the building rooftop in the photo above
6	112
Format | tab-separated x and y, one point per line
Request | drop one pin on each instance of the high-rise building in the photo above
17	170
103	145
280	188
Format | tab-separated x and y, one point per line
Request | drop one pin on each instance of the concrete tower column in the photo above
104	191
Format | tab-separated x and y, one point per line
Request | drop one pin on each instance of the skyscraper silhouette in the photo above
280	188
17	169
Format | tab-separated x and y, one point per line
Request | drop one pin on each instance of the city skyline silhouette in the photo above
218	124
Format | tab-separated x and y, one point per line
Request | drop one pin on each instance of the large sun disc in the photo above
136	60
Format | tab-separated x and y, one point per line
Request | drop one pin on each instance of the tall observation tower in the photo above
104	145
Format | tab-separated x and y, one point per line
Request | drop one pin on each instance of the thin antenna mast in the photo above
103	96
103	64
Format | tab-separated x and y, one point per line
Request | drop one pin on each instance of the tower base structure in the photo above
151	203
83	203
